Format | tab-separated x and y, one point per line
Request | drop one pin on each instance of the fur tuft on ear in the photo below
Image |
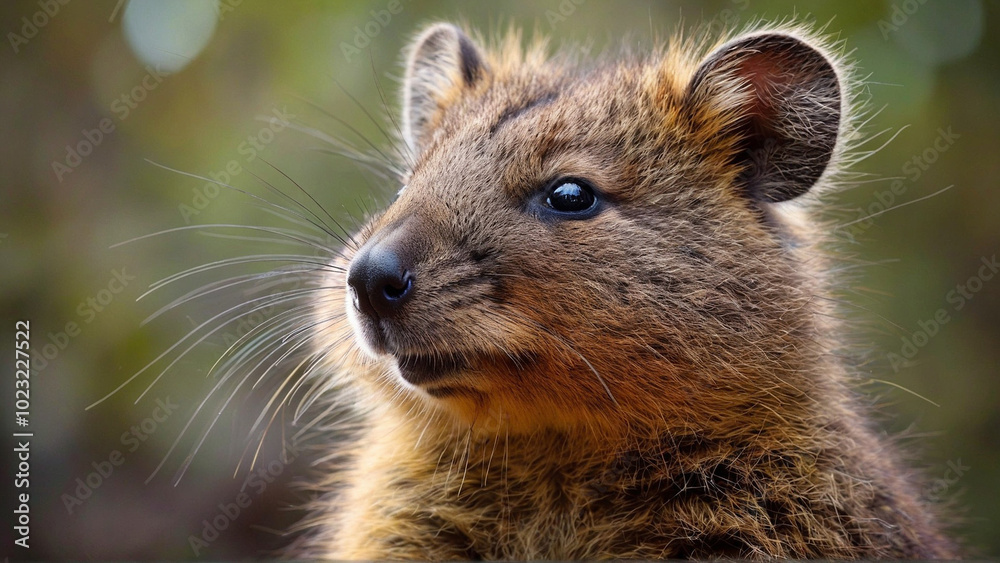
788	109
442	63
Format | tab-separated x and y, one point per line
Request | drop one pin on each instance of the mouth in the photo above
425	369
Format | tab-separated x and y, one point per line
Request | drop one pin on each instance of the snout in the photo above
381	279
400	299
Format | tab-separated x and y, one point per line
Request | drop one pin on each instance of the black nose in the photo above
380	281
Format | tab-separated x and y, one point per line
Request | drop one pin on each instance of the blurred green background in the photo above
934	79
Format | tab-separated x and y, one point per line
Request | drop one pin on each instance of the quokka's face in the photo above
590	247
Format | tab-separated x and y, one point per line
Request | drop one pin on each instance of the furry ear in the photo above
442	63
788	105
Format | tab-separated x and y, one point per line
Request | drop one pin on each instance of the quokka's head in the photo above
596	246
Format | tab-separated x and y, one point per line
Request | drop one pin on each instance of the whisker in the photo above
244	192
392	142
245	349
235	261
383	169
222	226
315	266
318	223
262	240
220	285
323	209
351	128
289	378
198	409
179	342
291	375
283	299
862	156
408	157
893	208
310	398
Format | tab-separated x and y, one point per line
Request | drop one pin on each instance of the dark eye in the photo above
571	196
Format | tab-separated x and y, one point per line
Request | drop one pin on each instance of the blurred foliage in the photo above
933	68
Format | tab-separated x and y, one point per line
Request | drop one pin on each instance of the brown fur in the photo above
657	381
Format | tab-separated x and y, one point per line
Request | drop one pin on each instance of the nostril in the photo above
398	289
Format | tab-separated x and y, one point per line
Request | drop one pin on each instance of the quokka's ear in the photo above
442	63
787	105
